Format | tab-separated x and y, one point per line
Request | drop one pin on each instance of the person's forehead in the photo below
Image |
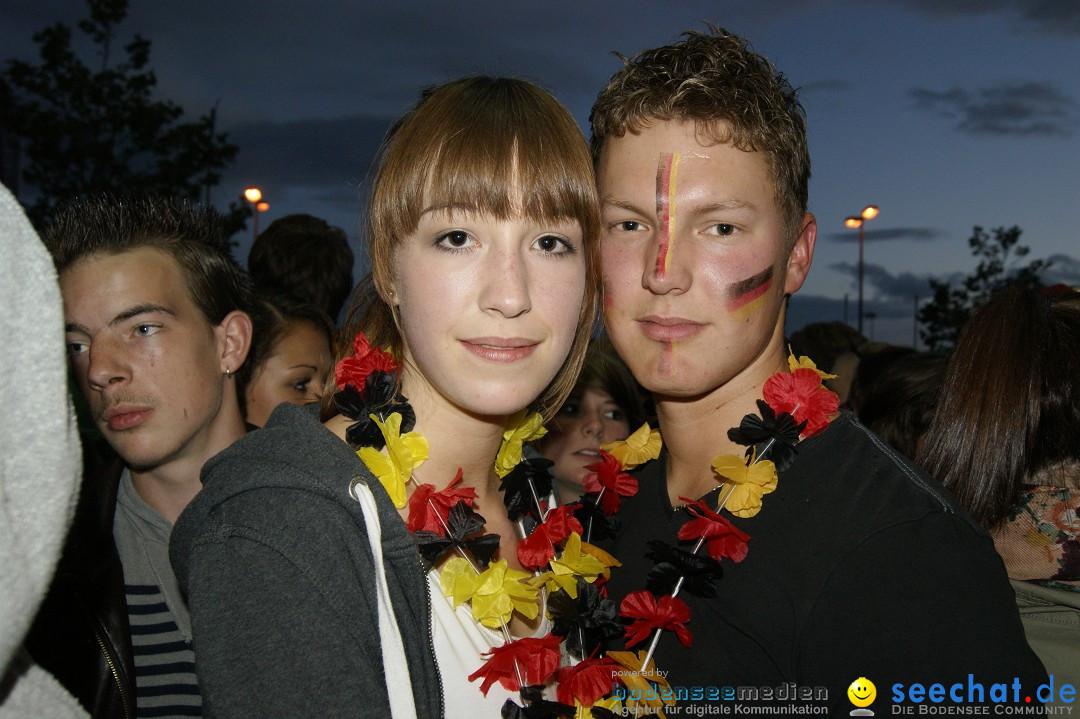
640	156
103	282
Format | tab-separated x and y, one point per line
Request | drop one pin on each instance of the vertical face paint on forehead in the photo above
667	170
747	296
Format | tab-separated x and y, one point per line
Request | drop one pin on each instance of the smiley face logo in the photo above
862	692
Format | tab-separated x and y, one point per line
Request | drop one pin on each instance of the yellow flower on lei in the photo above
603	557
611	704
494	594
805	362
750	482
522	427
404	453
640	683
638	448
575	561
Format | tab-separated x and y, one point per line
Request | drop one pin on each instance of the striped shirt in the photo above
165	682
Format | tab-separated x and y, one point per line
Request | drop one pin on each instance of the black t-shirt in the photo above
859	565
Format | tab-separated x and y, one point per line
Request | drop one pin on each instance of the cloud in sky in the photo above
1063	269
888	233
1058	17
886	285
1019	108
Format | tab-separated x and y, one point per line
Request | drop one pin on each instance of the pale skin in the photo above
152	369
489	309
716	225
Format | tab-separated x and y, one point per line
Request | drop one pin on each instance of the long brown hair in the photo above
473	142
1009	413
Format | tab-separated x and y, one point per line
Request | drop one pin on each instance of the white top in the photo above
460	641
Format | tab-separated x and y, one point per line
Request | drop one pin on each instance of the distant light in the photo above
253	194
853	222
870	212
262	206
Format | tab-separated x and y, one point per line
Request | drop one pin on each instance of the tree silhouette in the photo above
944	315
88	131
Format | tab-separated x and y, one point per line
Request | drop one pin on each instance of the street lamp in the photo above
869	212
254	196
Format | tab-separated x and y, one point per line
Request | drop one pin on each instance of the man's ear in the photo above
802	254
234	339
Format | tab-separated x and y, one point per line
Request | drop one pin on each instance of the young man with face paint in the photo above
859	565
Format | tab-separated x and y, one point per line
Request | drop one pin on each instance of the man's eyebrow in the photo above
721	206
123	316
622	205
140	310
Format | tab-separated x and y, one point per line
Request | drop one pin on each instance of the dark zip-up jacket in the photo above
274	558
81	633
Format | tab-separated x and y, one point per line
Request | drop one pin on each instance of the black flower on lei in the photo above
596	524
773	436
699	572
529	481
465	526
590	618
380	398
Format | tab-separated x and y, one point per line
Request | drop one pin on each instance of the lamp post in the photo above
254	196
869	212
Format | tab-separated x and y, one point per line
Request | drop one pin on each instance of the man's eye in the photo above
146	330
74	348
723	229
628	226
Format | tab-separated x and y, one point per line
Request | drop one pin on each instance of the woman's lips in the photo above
501	349
669	329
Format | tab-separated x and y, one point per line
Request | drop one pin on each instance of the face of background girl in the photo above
293	373
588	419
488	307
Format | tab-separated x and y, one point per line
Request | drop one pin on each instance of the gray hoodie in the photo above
274	557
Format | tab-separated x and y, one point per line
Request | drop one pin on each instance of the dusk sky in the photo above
945	113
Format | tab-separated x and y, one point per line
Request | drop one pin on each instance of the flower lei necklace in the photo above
570	569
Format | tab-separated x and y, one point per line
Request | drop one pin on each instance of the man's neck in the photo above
695	430
169	487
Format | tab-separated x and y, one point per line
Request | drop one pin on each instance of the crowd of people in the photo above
446	492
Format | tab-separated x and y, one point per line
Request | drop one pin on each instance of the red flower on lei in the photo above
608	476
537	549
722	538
537	658
427	506
670	613
587	681
801	394
365	360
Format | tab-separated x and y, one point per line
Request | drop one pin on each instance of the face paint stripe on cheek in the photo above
746	296
666	174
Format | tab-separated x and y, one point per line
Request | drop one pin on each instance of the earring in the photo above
228	372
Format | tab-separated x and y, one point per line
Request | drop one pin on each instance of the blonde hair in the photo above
501	147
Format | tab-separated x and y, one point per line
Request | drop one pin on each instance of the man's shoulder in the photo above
855	470
291	473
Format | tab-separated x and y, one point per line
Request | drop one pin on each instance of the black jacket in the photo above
81	634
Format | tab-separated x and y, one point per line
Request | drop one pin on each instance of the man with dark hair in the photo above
305	257
859	566
155	331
